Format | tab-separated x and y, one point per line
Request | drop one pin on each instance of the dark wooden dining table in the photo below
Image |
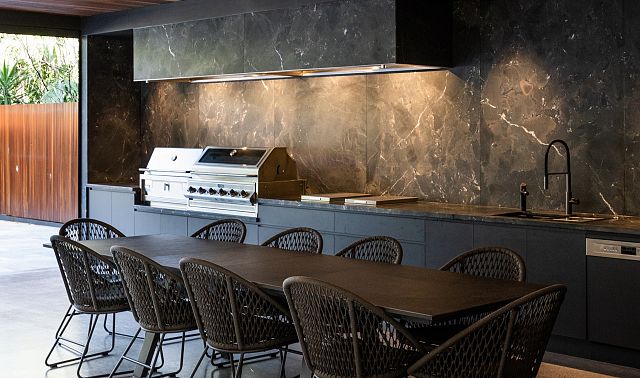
415	293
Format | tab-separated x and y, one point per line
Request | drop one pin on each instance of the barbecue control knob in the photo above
191	189
202	190
222	192
212	191
233	193
244	194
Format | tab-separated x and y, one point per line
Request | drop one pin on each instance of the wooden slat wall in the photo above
39	161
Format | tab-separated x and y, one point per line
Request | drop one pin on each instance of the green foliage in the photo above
10	80
47	68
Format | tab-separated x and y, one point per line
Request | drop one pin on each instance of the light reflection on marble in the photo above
322	122
421	139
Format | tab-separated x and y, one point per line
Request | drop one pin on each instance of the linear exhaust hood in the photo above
343	37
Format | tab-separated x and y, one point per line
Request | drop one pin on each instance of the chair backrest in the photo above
156	295
377	248
93	282
300	239
489	262
232	313
229	230
509	342
88	229
342	335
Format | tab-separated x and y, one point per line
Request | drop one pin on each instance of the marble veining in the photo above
113	112
330	34
526	73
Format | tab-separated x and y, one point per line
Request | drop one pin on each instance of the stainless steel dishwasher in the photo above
613	291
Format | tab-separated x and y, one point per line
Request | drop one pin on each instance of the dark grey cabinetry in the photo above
614	301
558	256
350	227
446	240
113	207
153	223
489	235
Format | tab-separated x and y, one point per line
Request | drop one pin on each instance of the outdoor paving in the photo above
33	300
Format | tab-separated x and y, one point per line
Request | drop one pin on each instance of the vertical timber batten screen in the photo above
39	161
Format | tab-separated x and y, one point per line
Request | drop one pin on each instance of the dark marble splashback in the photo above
332	34
113	111
526	73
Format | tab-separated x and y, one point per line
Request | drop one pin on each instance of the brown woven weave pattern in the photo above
299	239
531	332
489	262
88	229
509	342
344	336
378	248
229	230
157	297
220	297
93	283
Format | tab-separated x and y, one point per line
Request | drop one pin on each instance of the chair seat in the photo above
265	340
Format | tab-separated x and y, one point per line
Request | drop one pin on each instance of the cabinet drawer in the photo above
291	217
408	229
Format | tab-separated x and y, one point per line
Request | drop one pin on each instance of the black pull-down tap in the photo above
569	200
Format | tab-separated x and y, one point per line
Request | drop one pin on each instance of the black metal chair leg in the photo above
240	363
66	319
195	369
283	357
124	354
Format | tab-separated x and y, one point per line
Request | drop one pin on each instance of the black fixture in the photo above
569	200
523	197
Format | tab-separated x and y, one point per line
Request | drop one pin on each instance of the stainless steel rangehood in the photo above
327	38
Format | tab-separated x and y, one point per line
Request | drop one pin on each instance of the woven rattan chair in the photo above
300	239
377	248
94	287
509	342
342	335
158	301
489	262
486	262
88	229
91	229
229	230
233	315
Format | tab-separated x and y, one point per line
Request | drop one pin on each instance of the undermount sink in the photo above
550	217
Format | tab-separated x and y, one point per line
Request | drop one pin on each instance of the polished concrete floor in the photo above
33	300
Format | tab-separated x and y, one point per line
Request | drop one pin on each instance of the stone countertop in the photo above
457	212
115	187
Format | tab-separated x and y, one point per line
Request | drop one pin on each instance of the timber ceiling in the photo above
77	7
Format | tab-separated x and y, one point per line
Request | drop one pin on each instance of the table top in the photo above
417	293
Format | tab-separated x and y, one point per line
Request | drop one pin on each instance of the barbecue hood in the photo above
325	38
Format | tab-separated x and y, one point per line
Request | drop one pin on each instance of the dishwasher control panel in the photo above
613	248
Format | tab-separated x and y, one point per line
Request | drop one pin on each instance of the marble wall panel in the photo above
170	117
330	34
632	105
214	46
237	114
113	112
552	70
422	139
322	122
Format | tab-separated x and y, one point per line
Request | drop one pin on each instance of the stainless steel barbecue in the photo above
164	180
230	180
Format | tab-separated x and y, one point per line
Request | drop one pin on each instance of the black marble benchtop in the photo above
458	212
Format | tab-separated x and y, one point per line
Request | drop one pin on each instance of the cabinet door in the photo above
122	216
614	302
503	235
408	229
558	256
289	217
100	205
147	223
446	240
